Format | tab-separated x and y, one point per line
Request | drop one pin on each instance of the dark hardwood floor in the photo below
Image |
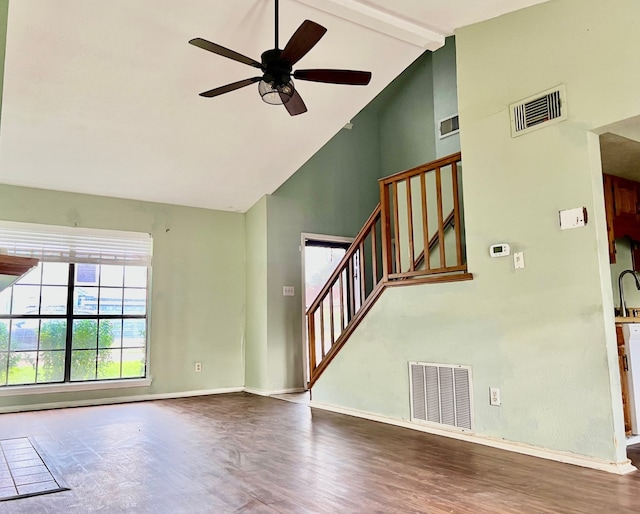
243	453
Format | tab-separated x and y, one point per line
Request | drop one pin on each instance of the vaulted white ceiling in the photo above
101	97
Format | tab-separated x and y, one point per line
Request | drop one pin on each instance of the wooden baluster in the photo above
425	220
396	226
351	289
374	255
322	328
443	258
342	303
456	213
410	226
385	231
363	278
331	327
311	328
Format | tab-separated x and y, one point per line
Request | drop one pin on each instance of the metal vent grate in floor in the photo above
23	471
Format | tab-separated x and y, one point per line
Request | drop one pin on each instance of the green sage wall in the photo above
543	335
335	192
198	285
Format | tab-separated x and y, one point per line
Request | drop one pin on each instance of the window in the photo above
69	322
81	314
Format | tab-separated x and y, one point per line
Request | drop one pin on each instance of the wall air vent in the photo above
538	111
449	126
441	393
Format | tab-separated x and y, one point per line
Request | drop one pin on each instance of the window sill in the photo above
73	387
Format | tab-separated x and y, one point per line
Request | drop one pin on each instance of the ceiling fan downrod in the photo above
277	24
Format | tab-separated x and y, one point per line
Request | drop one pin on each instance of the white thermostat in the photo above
500	250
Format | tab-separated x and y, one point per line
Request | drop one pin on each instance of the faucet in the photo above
623	307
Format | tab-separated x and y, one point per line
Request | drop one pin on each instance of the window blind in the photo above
53	243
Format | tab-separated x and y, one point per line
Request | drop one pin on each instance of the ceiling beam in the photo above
380	21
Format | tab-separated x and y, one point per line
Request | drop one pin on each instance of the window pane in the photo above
133	360
3	368
135	276
5	301
111	275
53	300
51	367
109	363
4	336
24	334
26	299
85	300
33	277
55	273
110	333
53	334
134	332
135	301
22	368
85	334
83	365
110	300
87	274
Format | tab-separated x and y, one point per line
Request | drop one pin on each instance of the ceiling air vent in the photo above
538	111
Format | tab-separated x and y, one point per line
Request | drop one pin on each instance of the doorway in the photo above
321	254
620	155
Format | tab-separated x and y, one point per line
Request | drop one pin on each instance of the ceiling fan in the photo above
275	84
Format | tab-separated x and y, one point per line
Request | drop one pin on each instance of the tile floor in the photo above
23	472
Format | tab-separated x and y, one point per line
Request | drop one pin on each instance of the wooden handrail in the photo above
364	231
361	276
423	168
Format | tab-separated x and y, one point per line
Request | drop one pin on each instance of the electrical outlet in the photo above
198	367
494	396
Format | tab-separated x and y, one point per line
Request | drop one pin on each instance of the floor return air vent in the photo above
538	111
441	393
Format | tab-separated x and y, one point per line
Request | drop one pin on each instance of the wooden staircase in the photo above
407	240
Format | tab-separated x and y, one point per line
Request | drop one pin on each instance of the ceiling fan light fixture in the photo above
276	94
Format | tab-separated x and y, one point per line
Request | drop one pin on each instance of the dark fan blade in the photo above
224	52
295	105
230	87
303	40
353	78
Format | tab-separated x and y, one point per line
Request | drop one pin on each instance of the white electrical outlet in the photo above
198	367
494	396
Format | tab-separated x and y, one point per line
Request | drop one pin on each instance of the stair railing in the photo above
346	297
400	244
415	237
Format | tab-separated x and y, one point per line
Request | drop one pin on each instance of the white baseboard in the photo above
120	399
618	468
261	392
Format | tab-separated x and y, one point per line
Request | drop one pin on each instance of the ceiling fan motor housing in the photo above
277	71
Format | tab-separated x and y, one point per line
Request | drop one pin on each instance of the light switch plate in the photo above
518	260
573	218
288	291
